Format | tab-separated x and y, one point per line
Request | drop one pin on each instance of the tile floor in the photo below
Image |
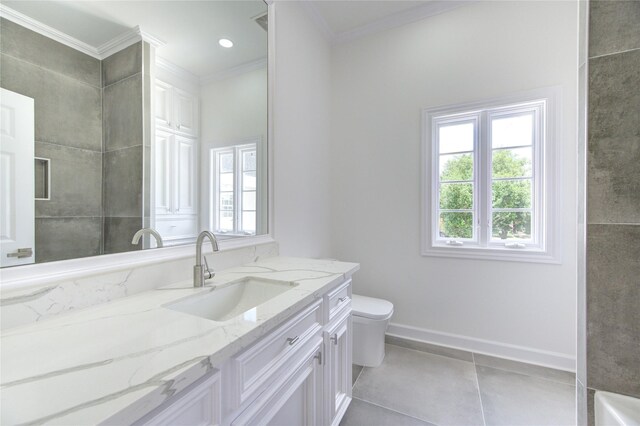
421	384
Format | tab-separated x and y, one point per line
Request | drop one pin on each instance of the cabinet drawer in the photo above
199	406
339	298
174	228
254	369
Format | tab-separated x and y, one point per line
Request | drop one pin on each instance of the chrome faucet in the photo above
200	272
140	233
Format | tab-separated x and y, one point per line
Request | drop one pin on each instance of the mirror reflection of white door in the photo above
17	216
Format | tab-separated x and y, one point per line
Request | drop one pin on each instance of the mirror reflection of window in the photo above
234	177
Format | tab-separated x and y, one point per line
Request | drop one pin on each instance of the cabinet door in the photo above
164	104
162	154
199	406
338	369
185	174
296	401
185	112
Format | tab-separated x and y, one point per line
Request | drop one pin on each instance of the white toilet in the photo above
370	321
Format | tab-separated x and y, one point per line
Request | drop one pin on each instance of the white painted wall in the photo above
380	83
301	125
233	110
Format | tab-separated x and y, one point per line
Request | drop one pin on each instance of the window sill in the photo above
495	254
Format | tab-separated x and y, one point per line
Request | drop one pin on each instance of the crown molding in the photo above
404	17
260	63
47	31
105	50
177	71
125	40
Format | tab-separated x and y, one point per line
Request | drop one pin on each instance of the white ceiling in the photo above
190	29
343	16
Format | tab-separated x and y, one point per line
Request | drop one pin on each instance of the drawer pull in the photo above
334	339
293	340
342	299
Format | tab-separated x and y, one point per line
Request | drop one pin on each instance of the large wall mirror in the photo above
129	125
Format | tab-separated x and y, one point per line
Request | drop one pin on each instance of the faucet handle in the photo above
208	273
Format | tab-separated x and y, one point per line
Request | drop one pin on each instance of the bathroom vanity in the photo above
264	343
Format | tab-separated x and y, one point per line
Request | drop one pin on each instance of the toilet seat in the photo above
370	307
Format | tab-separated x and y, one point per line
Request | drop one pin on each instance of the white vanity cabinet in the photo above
338	341
176	109
197	406
299	374
338	377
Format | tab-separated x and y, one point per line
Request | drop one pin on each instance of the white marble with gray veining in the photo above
33	304
117	361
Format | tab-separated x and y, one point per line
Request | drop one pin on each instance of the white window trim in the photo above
550	193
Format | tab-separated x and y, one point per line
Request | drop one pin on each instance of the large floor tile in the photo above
362	413
430	387
428	347
355	373
565	377
514	399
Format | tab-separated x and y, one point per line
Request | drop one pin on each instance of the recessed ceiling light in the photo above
225	42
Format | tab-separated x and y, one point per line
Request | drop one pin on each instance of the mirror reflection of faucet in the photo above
151	231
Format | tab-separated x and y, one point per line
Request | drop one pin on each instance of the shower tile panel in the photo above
76	182
122	64
67	112
613	298
29	46
123	114
613	26
67	238
123	182
118	232
614	139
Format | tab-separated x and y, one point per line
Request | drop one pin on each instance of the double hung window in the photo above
234	189
488	174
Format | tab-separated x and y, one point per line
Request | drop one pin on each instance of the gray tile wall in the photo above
123	132
612	294
66	87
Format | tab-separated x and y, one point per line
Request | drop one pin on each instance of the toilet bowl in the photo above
370	321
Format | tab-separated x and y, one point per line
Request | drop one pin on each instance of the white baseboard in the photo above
487	347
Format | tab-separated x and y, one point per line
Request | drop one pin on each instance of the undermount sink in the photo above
233	299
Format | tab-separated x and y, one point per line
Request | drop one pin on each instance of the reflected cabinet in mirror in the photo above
130	125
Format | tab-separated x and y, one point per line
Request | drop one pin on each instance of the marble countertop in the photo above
115	362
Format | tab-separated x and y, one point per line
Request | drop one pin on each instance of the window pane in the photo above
249	200
226	201
249	222
456	225
249	181
511	225
511	162
226	181
226	221
248	160
456	167
456	137
226	163
511	194
512	131
456	196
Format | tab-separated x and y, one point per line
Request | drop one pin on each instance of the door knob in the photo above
20	253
